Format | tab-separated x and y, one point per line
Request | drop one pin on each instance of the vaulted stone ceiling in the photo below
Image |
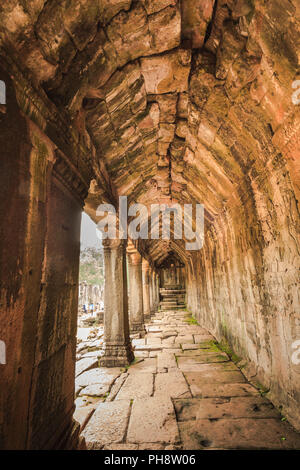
184	101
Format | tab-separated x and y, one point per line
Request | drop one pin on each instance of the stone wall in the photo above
40	211
246	285
22	216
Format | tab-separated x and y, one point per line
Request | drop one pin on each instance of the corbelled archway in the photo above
165	102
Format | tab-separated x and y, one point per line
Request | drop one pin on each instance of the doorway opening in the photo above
90	328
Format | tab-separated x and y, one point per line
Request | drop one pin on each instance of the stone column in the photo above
157	290
40	216
152	293
146	290
136	292
118	349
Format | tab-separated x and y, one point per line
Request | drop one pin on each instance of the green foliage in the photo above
91	266
262	390
190	320
224	346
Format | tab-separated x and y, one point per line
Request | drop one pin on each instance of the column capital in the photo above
113	243
134	257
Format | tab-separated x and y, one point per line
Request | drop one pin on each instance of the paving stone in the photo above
170	347
215	406
77	389
95	343
83	414
166	360
153	341
238	407
168	333
94	354
172	384
147	347
96	390
203	337
154	329
205	355
198	330
148	365
205	345
223	390
187	364
153	420
85	364
86	401
168	342
237	434
199	378
187	330
116	387
184	339
141	354
136	386
189	346
172	350
136	342
83	333
153	354
220	366
154	334
107	425
99	375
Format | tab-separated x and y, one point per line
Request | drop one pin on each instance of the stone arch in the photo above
169	102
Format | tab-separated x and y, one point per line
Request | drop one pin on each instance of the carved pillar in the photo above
40	216
152	293
136	292
157	290
146	290
118	350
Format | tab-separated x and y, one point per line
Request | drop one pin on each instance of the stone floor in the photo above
181	393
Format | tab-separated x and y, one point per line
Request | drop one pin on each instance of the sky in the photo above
88	236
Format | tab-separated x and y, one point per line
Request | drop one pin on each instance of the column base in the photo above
117	355
138	328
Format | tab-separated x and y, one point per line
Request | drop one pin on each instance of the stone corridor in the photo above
146	108
180	393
